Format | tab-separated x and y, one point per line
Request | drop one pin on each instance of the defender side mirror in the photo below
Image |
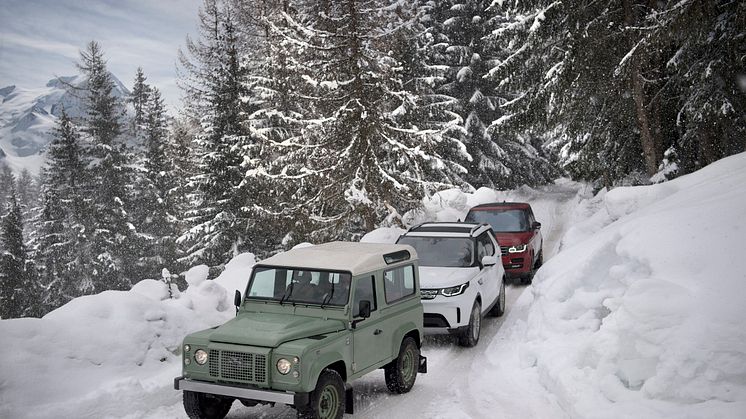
237	300
489	260
365	309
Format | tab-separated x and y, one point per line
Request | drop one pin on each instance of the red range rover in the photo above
518	234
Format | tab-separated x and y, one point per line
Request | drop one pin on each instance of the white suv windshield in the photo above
442	251
299	286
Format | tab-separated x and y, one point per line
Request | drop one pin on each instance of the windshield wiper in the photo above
328	297
288	293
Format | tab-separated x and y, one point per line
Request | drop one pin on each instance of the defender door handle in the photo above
378	332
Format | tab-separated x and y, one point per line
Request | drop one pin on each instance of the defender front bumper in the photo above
181	383
273	396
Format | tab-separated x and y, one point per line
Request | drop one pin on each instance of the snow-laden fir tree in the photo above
139	97
28	195
213	78
498	158
361	163
160	227
702	63
617	86
17	282
114	238
7	182
64	224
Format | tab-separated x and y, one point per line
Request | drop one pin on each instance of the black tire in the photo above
470	336
539	260
526	280
499	308
327	400
206	406
401	373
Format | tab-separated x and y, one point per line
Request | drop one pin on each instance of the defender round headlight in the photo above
283	366
200	356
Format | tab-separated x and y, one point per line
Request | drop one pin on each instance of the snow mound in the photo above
383	235
641	314
108	354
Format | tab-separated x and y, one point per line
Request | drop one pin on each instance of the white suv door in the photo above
489	277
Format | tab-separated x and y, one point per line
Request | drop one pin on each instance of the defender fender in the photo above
323	362
399	334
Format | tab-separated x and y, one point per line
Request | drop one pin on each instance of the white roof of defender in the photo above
357	258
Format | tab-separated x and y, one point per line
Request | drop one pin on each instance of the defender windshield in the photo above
442	251
298	286
500	220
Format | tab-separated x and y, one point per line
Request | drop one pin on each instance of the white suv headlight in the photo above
518	248
454	291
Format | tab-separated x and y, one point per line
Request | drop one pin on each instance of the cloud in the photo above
50	47
42	38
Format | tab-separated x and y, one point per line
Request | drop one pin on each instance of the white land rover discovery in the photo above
461	278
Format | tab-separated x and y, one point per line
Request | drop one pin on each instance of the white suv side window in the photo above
485	245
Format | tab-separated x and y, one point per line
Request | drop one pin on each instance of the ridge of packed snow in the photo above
641	313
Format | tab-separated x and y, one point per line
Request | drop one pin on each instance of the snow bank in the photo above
112	353
641	314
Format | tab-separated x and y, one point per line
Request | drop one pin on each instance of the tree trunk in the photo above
647	140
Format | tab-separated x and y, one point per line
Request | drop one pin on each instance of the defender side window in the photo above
398	283
365	289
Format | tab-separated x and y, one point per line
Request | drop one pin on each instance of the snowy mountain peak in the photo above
27	118
5	91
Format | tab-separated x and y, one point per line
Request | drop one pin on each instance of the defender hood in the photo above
441	277
271	330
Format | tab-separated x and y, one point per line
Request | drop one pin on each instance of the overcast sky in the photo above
41	39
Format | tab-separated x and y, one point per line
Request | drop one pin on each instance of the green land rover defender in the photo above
312	320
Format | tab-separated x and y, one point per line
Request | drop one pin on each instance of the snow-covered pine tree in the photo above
556	67
181	145
28	195
618	86
414	46
459	27
361	164
214	78
61	243
7	182
280	102
139	97
113	239
699	46
16	279
160	226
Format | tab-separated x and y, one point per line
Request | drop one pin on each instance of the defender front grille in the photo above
238	366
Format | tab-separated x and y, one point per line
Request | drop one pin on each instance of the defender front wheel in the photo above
206	406
401	373
327	400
